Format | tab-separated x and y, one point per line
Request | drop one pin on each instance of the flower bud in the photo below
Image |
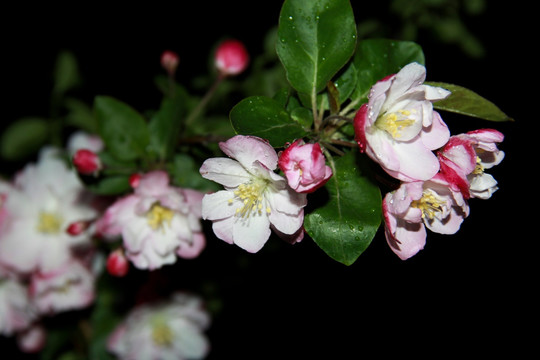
77	227
86	161
304	166
231	57
117	263
32	340
134	180
169	61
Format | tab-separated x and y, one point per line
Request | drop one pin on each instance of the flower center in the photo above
479	168
251	195
394	122
49	223
429	203
158	215
162	334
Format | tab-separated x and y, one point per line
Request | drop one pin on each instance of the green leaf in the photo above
466	102
111	185
123	129
316	38
266	118
185	173
164	127
23	138
375	59
80	115
66	73
346	224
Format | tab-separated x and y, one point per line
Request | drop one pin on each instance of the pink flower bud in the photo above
134	180
231	57
32	340
304	166
169	61
86	161
117	263
77	227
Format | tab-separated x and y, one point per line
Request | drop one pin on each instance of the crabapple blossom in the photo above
304	166
17	312
417	205
231	57
255	199
44	200
398	128
68	287
171	329
83	140
465	157
157	222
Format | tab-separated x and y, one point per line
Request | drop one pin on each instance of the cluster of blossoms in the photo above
399	129
47	261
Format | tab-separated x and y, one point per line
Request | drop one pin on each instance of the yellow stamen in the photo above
158	215
162	334
49	223
429	203
251	195
394	122
478	169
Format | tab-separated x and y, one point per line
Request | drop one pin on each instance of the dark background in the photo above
463	294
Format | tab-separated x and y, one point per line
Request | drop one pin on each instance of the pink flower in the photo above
417	205
464	159
399	129
255	199
231	57
157	222
304	166
37	210
16	309
65	288
171	329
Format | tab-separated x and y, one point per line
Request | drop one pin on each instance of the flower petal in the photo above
252	233
217	206
227	172
248	149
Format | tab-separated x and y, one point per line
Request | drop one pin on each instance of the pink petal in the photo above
437	134
248	149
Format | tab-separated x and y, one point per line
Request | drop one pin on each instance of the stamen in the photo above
429	203
251	196
158	215
395	122
49	223
162	334
478	169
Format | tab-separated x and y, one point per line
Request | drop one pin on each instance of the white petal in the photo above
248	149
217	206
224	171
251	233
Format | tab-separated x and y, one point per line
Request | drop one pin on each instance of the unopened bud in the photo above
169	61
117	263
77	227
231	57
86	161
134	180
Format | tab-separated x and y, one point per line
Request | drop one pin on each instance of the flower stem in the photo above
204	101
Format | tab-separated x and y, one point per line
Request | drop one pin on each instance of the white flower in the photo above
255	198
16	310
36	211
166	330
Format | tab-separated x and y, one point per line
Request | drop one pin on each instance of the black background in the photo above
463	294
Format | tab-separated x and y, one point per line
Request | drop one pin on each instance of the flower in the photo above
417	205
17	311
255	198
169	61
465	157
38	207
171	329
65	288
231	57
304	166
157	222
399	129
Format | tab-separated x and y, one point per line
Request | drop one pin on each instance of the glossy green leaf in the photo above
377	58
122	128
23	138
164	127
111	185
466	102
266	118
346	224
316	38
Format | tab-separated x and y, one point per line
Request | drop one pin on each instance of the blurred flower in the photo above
417	205
37	209
169	61
117	263
171	329
86	161
17	311
83	140
255	198
231	57
399	129
304	166
157	222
